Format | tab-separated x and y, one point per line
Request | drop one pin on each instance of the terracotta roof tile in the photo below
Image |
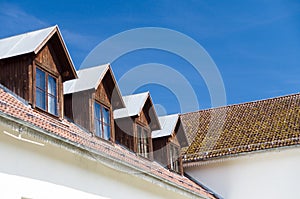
241	128
12	106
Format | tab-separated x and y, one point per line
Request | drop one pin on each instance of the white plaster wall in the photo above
35	172
265	175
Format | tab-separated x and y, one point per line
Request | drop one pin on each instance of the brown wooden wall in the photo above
125	133
102	94
48	59
160	150
144	117
14	74
77	106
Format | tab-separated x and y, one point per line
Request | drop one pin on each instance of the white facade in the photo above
51	171
265	175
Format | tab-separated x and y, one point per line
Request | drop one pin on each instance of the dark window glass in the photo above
52	95
143	141
174	158
40	89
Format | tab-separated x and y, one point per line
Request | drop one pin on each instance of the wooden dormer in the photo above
91	99
34	65
135	123
168	141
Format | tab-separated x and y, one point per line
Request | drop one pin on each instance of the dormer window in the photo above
135	123
102	121
143	141
46	92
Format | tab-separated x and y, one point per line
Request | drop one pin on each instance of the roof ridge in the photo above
91	67
134	94
26	33
242	103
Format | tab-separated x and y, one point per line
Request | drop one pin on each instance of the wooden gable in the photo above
148	116
54	57
15	74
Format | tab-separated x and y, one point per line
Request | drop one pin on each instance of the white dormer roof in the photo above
24	43
88	78
134	105
168	125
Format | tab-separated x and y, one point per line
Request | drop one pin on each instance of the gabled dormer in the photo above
34	65
91	99
168	141
135	123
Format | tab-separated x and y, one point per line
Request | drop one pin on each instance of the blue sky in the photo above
255	44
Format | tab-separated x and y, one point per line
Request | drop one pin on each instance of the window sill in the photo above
146	158
37	109
111	142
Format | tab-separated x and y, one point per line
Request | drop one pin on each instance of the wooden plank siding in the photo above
125	135
78	108
160	151
15	75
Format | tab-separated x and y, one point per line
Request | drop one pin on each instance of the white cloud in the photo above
16	20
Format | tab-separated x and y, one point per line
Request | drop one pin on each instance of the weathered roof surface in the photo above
134	105
168	124
88	78
242	128
17	110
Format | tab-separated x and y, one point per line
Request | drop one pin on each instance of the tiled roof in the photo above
232	130
13	107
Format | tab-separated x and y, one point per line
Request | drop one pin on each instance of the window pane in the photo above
40	99
98	128
97	111
51	85
52	97
40	89
105	115
40	80
52	104
145	139
106	132
174	158
139	134
143	144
